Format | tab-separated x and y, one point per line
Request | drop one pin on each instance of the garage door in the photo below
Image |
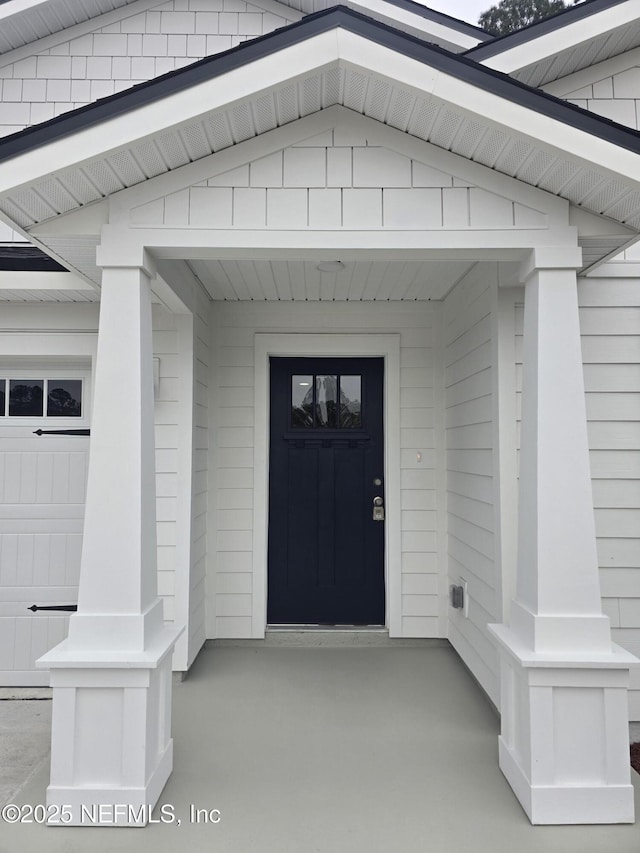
42	493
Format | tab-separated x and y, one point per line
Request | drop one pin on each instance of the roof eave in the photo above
333	42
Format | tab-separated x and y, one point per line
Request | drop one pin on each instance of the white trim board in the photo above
310	345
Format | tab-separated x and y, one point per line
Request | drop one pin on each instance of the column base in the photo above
566	804
564	746
111	746
77	806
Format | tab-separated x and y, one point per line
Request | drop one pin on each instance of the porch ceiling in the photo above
327	59
241	280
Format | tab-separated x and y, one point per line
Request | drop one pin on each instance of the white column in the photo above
111	744
564	741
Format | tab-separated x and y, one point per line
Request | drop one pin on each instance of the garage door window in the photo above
39	398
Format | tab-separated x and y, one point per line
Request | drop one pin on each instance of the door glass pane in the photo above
350	402
25	398
3	396
326	401
64	398
301	402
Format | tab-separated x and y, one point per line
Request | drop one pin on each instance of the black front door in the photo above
326	550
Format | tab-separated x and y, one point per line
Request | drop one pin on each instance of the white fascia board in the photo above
420	26
290	63
563	38
42	280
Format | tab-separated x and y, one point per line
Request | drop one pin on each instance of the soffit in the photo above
584	55
576	38
361	87
25	21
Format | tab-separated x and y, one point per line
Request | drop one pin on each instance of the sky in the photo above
465	10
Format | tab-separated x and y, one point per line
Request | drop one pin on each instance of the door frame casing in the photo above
385	346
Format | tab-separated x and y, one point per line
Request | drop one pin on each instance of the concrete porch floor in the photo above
330	750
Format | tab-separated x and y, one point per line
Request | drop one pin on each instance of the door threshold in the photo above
326	635
329	628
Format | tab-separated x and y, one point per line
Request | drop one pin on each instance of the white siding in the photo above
610	89
469	404
610	327
165	348
200	469
234	326
111	53
338	179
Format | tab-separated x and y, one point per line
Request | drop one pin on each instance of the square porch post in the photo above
564	741
111	750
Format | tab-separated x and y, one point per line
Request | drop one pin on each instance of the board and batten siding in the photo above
234	326
610	329
468	383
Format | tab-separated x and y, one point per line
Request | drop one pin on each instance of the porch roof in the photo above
333	57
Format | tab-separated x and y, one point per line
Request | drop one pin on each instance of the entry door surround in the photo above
320	345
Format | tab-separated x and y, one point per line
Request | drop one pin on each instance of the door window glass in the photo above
37	398
350	402
26	398
64	398
326	401
301	401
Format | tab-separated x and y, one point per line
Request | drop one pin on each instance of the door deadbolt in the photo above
378	509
